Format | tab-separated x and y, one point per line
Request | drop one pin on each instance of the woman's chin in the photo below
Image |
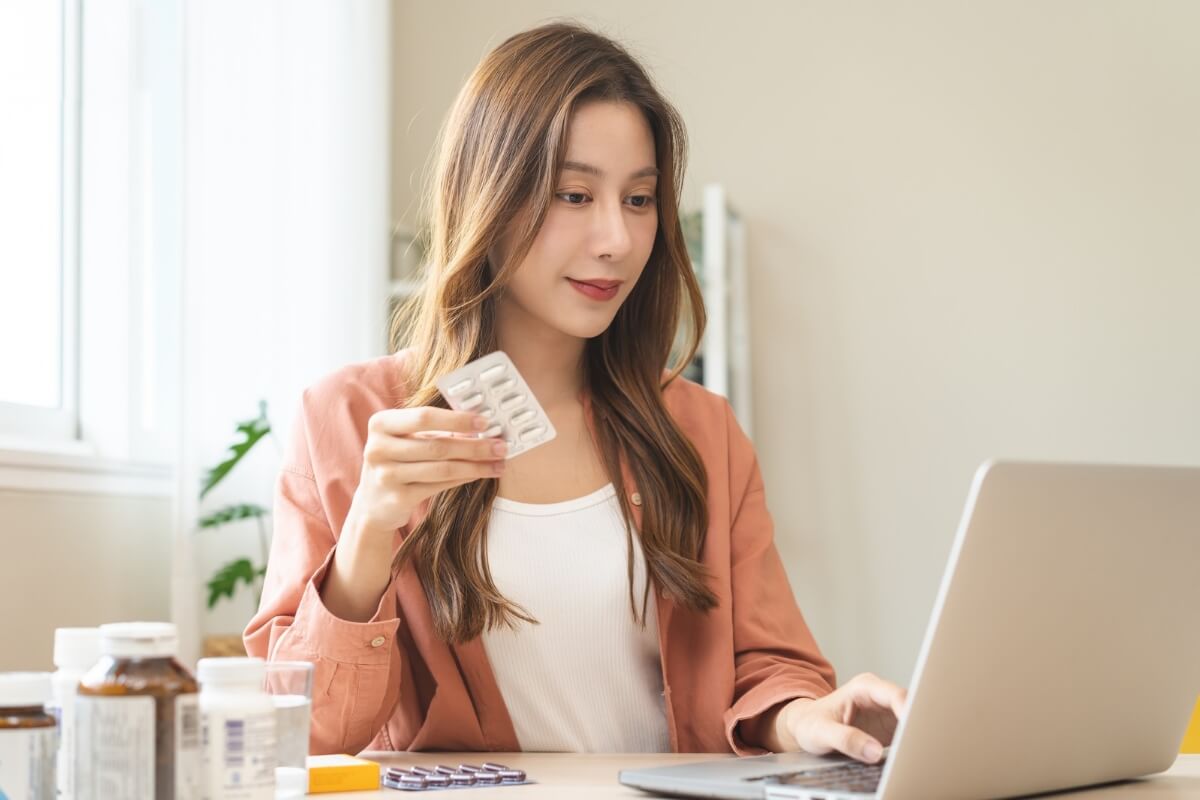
586	329
580	324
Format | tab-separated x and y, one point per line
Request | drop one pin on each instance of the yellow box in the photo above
341	774
1191	740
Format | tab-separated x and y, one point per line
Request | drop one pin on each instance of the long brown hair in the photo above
499	155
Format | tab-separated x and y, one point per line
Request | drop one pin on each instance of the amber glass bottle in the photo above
137	719
28	736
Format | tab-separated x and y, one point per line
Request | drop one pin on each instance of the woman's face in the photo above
599	230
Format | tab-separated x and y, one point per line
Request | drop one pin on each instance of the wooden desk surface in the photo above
592	777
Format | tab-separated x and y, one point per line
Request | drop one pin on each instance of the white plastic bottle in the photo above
75	651
238	721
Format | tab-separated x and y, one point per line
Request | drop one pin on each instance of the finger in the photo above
884	694
849	740
403	421
446	435
435	434
433	472
405	448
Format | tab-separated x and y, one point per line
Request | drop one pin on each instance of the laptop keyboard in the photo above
851	777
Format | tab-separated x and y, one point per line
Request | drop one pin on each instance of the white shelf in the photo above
724	280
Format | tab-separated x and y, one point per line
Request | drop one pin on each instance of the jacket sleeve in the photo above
776	658
356	664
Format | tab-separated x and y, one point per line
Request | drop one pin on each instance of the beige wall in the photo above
78	560
973	230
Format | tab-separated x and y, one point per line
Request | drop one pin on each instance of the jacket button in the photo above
378	641
636	499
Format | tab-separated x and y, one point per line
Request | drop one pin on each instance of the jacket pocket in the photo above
364	703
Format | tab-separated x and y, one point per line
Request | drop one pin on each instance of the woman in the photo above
615	589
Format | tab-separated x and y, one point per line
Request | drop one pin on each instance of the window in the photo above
90	205
39	145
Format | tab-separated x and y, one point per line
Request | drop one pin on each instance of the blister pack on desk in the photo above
492	387
464	776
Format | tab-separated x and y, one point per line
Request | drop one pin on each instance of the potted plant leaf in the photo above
226	581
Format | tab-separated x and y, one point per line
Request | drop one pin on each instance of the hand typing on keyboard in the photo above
858	719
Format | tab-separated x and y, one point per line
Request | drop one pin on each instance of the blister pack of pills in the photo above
464	776
492	387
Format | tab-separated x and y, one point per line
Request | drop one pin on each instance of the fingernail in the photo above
499	466
500	448
872	751
480	423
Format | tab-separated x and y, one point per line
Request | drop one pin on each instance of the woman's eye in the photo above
579	198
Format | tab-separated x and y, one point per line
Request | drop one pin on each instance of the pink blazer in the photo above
391	684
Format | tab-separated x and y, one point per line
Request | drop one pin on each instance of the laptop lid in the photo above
1064	645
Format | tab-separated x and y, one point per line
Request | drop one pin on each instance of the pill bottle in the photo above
137	719
28	736
237	718
75	651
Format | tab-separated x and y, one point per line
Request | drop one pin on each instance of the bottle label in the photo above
63	710
27	763
114	748
189	754
239	755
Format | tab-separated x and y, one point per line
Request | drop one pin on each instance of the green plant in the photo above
225	580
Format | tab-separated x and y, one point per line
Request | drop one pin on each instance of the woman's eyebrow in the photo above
579	166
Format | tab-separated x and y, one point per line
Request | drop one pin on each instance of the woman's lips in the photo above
596	290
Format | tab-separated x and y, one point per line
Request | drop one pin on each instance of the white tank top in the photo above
588	678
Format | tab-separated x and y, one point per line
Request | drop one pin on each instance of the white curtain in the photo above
286	230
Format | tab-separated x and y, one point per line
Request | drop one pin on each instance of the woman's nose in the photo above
611	234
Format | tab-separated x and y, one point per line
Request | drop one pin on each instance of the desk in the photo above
592	777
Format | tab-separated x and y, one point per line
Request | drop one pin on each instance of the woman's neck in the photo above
550	361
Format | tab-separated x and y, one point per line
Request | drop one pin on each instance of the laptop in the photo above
1063	649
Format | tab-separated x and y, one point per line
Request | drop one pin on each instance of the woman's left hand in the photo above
857	719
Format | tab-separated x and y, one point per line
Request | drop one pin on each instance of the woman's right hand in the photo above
412	454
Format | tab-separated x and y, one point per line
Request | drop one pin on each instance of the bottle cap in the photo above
213	672
128	639
76	648
21	689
